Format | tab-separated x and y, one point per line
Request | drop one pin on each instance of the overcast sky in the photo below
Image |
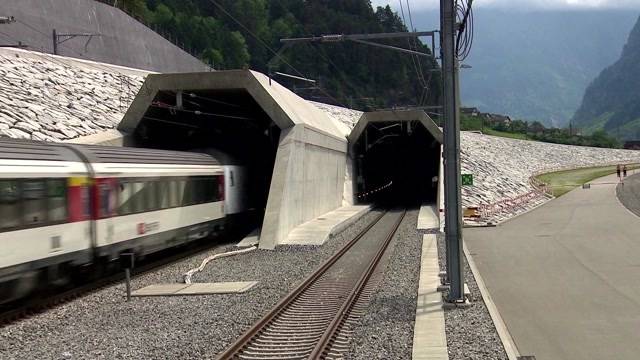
531	4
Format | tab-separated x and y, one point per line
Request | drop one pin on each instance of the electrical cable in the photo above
266	46
326	58
124	79
415	45
413	57
464	40
82	55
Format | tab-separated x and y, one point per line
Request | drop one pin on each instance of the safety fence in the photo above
509	205
486	212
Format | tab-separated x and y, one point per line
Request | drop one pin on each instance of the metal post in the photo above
453	211
127	263
127	275
55	42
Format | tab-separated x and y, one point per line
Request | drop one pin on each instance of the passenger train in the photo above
63	206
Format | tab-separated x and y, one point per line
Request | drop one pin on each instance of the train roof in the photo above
114	154
14	149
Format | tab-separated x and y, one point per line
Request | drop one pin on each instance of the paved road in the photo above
566	276
629	194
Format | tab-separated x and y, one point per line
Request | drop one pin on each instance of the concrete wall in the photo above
309	172
308	181
123	41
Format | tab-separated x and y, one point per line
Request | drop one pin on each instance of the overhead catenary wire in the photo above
413	57
82	55
417	63
124	79
266	46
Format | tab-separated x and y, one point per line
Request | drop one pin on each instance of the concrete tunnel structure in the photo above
296	153
394	156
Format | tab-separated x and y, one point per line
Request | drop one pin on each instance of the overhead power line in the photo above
266	46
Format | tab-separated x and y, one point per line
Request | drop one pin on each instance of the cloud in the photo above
525	4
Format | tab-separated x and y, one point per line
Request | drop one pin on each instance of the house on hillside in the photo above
497	119
471	111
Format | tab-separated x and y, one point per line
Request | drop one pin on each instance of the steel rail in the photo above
334	327
303	323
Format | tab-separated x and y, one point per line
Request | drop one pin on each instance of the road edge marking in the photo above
508	343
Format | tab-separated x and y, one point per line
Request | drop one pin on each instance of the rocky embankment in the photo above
47	98
502	167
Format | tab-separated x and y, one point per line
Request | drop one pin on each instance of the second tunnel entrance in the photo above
396	159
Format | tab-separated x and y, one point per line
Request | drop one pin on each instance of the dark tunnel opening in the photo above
228	124
395	164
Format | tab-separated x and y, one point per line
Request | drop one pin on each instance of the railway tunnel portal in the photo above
294	154
395	158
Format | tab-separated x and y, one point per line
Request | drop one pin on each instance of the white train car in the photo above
147	200
63	205
44	213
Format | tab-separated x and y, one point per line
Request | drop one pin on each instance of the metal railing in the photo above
540	189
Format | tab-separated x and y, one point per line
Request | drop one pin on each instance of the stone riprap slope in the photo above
47	98
339	114
502	167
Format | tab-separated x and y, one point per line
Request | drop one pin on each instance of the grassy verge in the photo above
561	182
518	136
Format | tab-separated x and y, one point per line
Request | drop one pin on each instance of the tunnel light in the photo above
389	127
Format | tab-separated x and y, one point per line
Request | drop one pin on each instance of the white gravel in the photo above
103	326
471	334
386	332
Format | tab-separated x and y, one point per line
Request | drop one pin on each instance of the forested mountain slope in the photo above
612	100
240	33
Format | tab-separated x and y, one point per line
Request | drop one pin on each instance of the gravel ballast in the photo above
470	331
103	325
386	331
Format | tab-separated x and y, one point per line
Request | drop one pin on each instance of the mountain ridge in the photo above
535	65
611	101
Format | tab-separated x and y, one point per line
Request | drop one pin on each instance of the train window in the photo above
163	193
187	194
107	198
34	202
125	205
174	195
10	212
210	190
57	195
151	195
137	197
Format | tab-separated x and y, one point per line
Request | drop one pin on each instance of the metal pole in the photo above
453	211
55	42
127	275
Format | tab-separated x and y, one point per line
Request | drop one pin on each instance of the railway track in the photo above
315	320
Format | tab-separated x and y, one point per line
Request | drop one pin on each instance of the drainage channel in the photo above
315	320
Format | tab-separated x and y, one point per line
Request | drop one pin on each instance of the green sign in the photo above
467	179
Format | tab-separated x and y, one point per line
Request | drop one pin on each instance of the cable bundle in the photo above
464	16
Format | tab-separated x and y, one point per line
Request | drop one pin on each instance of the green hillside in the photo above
612	101
536	64
244	33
